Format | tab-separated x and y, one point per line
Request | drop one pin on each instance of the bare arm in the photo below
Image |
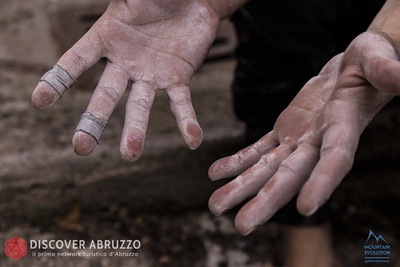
388	20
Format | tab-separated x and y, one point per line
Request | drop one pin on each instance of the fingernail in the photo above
216	209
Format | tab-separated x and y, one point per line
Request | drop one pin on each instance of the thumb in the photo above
381	66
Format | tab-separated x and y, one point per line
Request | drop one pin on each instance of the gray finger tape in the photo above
59	79
91	125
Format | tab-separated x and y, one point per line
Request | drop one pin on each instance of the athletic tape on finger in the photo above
59	79
91	125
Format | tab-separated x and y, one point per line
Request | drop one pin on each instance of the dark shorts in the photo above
281	45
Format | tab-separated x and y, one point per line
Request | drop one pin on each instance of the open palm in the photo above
156	45
313	143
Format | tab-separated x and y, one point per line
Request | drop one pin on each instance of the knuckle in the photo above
240	182
287	168
182	102
179	96
338	151
109	93
143	102
345	156
238	157
258	147
77	59
266	160
137	128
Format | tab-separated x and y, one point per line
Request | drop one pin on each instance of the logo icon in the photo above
377	238
376	249
16	248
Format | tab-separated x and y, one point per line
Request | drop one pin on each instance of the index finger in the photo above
84	54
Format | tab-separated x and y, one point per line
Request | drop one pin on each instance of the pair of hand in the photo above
159	45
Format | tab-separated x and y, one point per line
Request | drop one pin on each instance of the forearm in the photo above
224	8
388	21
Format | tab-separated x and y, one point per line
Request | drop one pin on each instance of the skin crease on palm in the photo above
155	44
313	143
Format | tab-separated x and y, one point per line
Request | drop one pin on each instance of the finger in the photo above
73	63
108	92
234	165
279	190
136	119
337	155
248	183
182	108
382	67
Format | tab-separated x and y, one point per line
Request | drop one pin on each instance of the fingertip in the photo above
253	214
44	96
218	169
211	173
306	208
215	210
132	149
83	143
214	206
130	157
305	203
194	135
243	227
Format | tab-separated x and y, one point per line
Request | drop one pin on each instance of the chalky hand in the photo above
313	143
155	44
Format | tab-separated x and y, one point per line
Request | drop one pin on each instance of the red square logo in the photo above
16	248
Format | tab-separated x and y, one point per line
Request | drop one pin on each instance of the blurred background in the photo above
47	192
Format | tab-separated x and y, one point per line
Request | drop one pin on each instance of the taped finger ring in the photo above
59	79
91	125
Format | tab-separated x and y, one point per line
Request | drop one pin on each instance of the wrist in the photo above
387	22
224	8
